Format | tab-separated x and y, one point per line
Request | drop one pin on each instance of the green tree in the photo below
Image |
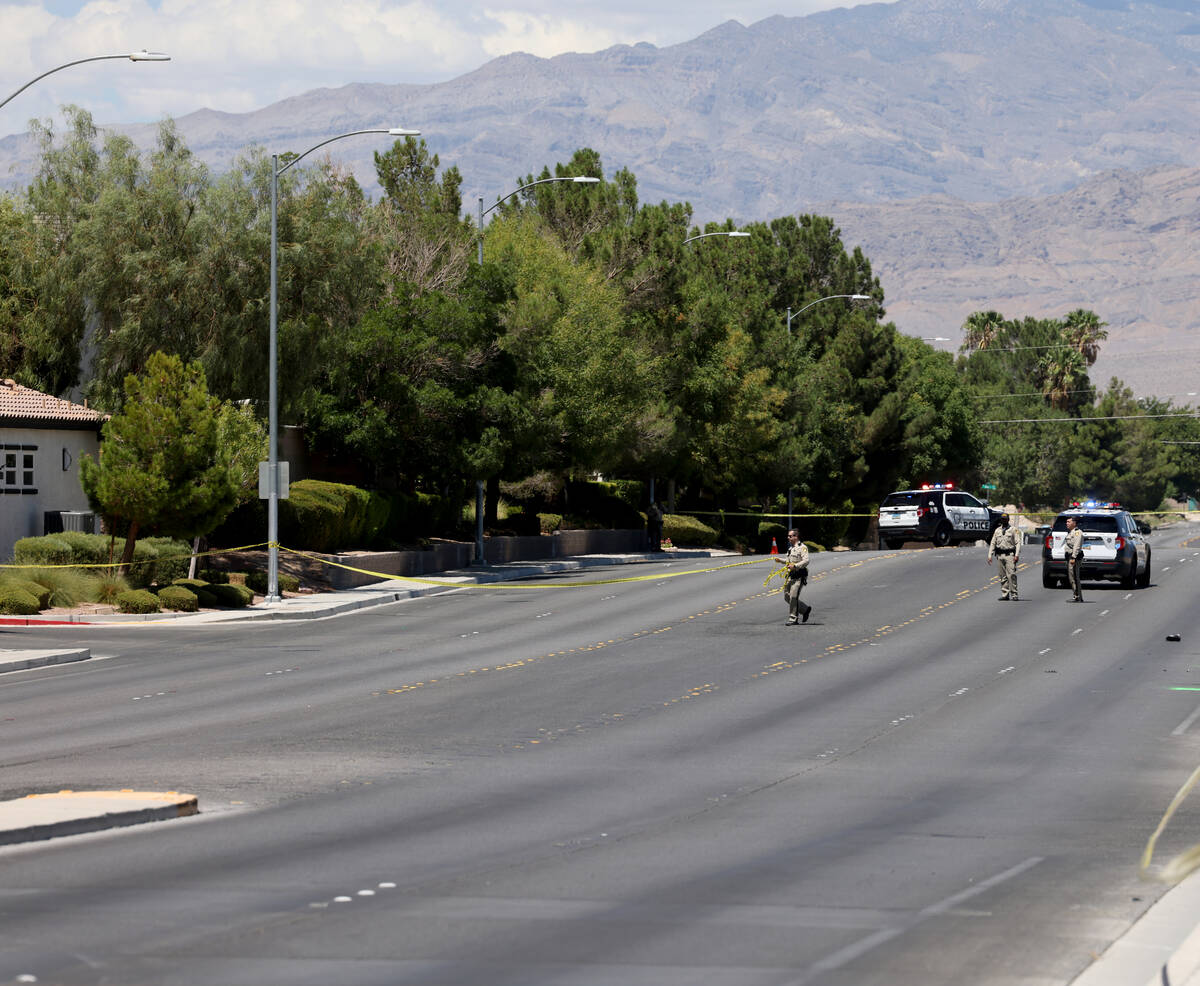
162	463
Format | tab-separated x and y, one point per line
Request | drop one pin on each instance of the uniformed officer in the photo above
1006	546
796	559
1073	552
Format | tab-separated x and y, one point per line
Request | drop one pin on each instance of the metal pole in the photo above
789	321
791	491
272	402
479	523
479	232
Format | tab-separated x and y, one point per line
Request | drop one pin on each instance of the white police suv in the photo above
936	512
1114	546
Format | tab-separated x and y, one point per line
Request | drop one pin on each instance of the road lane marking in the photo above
1104	612
856	950
1007	670
1187	723
1076	630
1041	652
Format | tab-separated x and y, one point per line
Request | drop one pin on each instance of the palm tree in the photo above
980	330
1083	331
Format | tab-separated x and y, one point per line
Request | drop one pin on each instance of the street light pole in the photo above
273	478
852	297
579	180
133	56
790	316
700	236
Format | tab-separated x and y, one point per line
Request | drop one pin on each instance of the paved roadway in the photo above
643	782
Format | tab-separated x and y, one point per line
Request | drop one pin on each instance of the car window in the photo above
910	499
957	500
1089	523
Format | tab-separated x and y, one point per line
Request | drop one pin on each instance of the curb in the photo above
10	661
46	816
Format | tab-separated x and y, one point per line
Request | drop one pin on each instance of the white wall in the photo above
57	488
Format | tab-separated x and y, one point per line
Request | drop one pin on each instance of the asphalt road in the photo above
642	782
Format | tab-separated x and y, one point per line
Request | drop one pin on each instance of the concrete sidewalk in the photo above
46	816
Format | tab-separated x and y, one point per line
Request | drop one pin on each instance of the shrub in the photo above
179	598
66	586
109	586
604	509
172	559
549	523
138	601
214	576
35	589
90	549
48	550
321	516
201	590
232	596
258	582
681	529
417	515
15	601
813	546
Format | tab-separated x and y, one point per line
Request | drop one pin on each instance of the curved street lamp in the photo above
700	236
578	180
273	478
852	297
133	56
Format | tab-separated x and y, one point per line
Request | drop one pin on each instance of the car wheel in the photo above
1130	580
895	543
1048	580
942	535
1143	580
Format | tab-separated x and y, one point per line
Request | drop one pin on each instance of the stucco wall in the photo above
57	487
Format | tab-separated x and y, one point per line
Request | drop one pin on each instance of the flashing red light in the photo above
1120	543
1049	543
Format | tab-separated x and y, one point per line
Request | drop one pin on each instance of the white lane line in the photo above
1167	569
1104	612
1128	595
1076	630
859	948
1007	670
961	691
1041	652
1187	723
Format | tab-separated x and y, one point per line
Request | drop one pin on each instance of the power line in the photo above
1111	417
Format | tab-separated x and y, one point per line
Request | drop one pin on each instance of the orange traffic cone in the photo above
774	547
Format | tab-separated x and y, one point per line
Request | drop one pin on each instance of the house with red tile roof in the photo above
41	441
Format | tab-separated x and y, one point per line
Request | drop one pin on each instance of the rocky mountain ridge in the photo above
959	141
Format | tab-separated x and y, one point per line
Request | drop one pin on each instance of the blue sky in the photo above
239	55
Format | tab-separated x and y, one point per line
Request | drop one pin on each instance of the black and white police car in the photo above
1114	546
936	512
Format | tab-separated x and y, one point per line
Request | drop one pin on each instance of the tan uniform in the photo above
796	560
1005	547
1073	552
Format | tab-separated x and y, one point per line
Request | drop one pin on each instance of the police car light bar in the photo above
937	486
1096	504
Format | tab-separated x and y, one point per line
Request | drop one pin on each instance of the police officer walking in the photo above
796	560
1073	552
1006	546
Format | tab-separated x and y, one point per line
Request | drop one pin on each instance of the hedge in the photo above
15	601
258	582
178	597
138	601
321	516
682	529
232	596
47	550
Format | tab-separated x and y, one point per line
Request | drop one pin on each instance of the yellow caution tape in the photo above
147	561
1187	861
523	585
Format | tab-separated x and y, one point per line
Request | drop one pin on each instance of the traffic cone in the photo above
774	547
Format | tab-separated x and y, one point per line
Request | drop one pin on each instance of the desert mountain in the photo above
1029	156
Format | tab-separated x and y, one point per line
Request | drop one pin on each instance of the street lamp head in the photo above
737	232
401	132
148	56
861	297
585	180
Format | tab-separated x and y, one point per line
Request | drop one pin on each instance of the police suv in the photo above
1114	546
936	512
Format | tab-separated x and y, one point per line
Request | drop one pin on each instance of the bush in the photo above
549	523
48	550
201	590
232	596
416	515
138	601
321	516
65	586
258	582
172	559
681	529
179	598
603	508
214	576
109	586
15	601
90	549
35	589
